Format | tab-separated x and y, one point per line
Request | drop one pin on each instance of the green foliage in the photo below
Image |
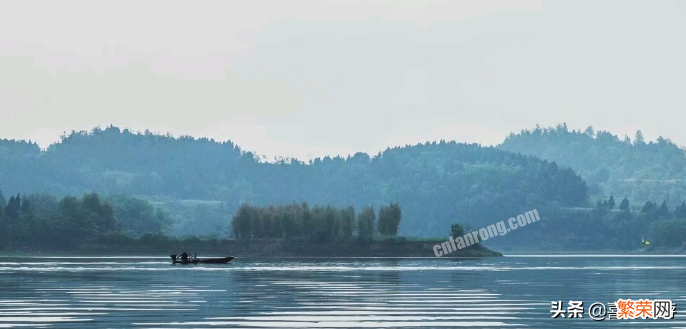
365	223
242	221
577	229
389	219
680	211
642	171
197	184
138	216
457	230
13	207
298	220
663	212
195	217
651	210
435	182
669	233
624	205
347	218
42	220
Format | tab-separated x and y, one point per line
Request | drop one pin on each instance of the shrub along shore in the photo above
128	226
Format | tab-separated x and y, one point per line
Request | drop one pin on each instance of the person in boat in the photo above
173	257
184	257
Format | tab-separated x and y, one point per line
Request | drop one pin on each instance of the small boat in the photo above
195	260
221	260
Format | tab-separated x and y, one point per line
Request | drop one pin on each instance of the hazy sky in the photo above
311	78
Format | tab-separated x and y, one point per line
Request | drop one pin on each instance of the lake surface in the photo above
513	291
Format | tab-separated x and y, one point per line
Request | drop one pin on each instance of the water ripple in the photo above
87	292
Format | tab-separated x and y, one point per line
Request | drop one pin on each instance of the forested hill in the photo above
436	184
634	169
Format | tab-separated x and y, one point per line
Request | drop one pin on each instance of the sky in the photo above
306	79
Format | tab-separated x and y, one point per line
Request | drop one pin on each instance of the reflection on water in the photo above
117	292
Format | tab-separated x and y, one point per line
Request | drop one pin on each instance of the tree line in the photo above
633	167
607	226
43	220
299	220
435	182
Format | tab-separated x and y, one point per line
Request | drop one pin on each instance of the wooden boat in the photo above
221	260
195	260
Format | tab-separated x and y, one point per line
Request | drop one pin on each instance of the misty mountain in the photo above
635	169
201	182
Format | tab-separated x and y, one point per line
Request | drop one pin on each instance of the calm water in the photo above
148	292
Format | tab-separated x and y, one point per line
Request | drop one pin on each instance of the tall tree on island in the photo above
347	216
389	219
365	223
241	222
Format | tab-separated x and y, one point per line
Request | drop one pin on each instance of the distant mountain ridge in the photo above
436	183
634	169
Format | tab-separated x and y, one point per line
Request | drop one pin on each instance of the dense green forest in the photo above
635	168
611	225
200	183
43	221
149	184
300	221
121	225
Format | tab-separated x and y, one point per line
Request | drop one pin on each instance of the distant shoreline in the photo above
652	250
395	247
